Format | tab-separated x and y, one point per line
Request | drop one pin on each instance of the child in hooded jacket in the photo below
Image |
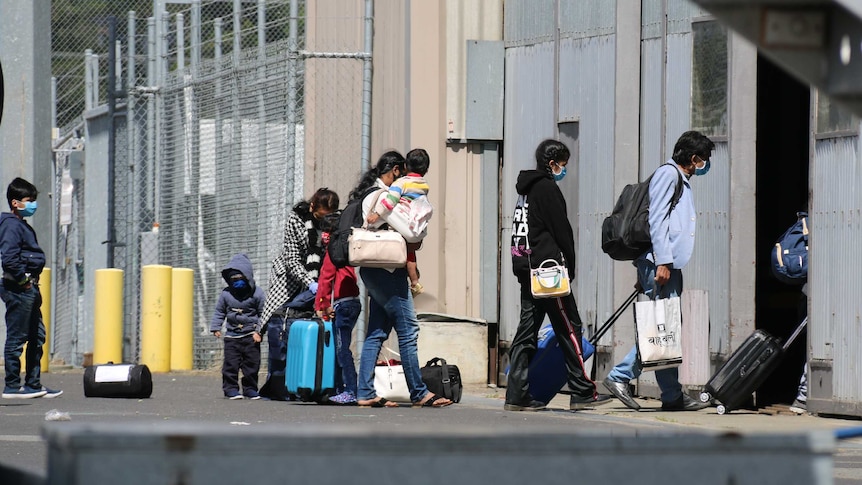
238	309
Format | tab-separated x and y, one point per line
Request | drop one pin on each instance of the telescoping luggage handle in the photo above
795	334
614	317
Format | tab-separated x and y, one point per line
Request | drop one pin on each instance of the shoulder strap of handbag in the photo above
447	385
373	205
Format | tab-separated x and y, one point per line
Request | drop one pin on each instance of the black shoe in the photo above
621	391
531	406
684	403
576	405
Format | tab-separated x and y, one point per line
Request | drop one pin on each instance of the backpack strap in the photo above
677	192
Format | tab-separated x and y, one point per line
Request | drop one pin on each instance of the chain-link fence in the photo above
212	144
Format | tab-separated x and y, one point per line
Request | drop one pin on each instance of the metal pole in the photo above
130	281
151	51
196	37
367	73
261	28
181	42
237	30
88	80
118	65
112	137
292	74
157	15
53	103
94	74
145	178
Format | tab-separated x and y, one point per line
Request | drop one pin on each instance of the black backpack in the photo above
351	217
625	233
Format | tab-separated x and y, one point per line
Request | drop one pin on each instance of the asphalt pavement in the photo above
196	397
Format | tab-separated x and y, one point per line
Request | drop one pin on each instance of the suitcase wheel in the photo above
721	409
705	397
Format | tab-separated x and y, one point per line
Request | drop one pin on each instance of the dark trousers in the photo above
240	354
564	317
23	325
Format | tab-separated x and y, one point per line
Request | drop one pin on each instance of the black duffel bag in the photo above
443	379
118	380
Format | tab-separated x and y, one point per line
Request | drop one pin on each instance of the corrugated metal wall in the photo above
835	283
709	269
528	22
586	95
528	120
652	86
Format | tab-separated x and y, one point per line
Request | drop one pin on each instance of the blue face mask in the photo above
239	284
29	209
702	171
559	176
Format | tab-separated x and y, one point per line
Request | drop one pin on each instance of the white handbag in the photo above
376	249
659	333
390	382
550	280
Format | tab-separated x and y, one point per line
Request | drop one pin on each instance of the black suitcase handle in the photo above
613	318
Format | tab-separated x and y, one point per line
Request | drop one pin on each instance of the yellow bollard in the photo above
45	290
108	316
156	317
182	317
45	308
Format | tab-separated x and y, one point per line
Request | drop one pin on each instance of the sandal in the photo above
380	402
432	401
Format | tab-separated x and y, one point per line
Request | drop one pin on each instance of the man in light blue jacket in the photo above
659	270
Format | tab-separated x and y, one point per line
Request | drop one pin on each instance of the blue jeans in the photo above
346	314
391	307
23	325
630	367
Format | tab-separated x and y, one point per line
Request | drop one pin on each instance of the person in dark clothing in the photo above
23	261
540	231
238	308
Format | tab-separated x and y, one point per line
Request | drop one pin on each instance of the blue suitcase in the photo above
547	373
310	372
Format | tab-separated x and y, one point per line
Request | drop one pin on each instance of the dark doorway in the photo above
782	190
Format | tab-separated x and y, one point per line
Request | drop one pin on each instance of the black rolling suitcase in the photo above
747	369
118	380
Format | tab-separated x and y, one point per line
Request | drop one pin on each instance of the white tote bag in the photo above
390	382
410	218
659	333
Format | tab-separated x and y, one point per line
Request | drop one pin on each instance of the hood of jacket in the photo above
241	263
528	178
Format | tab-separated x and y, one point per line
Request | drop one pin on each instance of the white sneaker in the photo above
799	407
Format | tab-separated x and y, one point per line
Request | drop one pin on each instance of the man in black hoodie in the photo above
541	231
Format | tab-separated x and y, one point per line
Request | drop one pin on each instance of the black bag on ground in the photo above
351	217
625	233
118	380
443	379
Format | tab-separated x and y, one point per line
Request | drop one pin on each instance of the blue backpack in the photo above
790	254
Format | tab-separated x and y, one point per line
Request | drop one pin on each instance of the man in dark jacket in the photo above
541	231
